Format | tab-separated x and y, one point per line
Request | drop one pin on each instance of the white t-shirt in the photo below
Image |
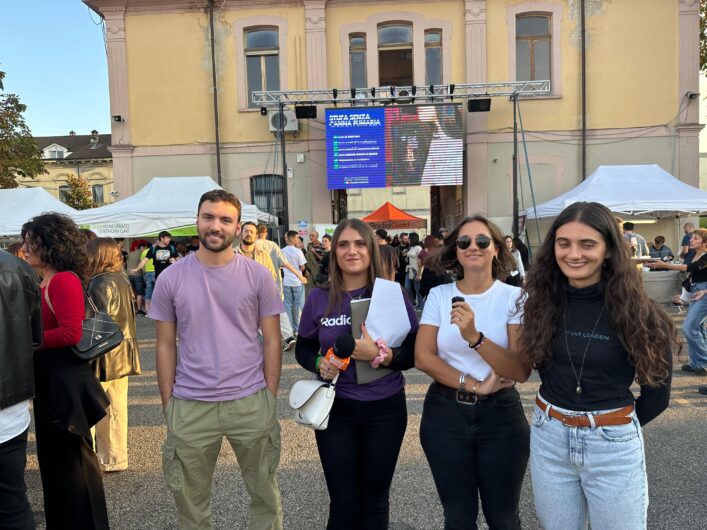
493	311
296	259
413	253
14	420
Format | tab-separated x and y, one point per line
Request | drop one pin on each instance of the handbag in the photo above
99	332
312	401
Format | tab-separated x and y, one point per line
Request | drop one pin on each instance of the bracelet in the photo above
478	342
462	380
317	361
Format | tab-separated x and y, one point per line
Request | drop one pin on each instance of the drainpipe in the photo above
215	89
584	89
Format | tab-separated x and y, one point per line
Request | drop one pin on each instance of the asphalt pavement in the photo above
676	455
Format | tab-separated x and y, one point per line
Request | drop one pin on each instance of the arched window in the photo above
266	194
262	56
533	47
433	57
357	60
395	55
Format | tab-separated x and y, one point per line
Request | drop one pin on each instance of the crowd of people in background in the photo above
481	319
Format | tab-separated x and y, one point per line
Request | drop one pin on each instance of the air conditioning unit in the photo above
291	124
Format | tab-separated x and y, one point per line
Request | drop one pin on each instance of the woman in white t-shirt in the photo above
413	271
474	431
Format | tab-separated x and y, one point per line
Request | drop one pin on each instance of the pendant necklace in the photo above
578	390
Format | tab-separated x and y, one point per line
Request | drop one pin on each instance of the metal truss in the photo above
400	94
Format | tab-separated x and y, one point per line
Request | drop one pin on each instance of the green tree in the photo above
19	154
79	193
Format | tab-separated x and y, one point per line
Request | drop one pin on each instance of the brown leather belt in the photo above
617	417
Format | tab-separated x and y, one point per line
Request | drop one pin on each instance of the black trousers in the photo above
15	511
359	451
476	450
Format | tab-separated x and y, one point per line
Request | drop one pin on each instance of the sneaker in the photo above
687	368
289	343
699	371
702	389
141	313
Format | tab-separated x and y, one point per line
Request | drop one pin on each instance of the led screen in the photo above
407	145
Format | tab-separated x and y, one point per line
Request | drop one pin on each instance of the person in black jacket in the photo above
21	332
591	331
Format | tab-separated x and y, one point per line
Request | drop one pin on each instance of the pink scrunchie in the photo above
382	351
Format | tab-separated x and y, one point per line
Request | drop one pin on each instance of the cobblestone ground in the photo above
676	453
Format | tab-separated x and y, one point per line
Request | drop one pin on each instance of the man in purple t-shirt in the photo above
224	381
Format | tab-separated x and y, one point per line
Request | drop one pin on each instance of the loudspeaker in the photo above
479	105
307	112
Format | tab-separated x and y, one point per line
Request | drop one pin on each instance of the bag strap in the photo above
46	296
85	293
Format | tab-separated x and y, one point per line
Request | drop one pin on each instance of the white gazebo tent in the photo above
165	203
637	190
19	205
645	190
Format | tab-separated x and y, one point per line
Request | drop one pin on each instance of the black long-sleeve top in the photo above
608	374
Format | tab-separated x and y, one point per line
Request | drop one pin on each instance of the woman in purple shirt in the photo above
360	447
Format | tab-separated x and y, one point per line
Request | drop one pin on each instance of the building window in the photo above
63	192
56	153
97	192
266	194
262	56
357	60
533	45
395	55
433	57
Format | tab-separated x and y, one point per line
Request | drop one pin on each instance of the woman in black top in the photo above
591	330
693	327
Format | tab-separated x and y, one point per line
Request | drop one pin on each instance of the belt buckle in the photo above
464	398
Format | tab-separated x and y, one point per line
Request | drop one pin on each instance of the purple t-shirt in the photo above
314	325
218	312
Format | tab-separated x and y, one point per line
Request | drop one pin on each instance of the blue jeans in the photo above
149	284
580	474
694	328
412	286
294	302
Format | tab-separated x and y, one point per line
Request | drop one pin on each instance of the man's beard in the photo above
227	242
248	240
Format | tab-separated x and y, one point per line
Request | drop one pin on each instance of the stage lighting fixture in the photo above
479	105
414	89
353	93
392	91
263	111
451	88
335	93
306	112
373	92
117	118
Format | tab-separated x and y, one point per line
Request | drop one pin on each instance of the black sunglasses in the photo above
482	241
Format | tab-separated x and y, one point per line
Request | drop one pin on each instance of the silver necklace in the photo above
578	390
352	298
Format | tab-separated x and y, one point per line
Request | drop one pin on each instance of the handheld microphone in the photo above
340	354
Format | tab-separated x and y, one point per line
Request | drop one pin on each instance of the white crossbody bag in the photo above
312	401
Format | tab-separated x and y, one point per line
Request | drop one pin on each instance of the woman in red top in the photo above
68	398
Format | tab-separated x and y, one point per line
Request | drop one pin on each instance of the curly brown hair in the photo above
58	242
446	259
644	329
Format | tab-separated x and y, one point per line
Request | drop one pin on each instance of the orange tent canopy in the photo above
389	217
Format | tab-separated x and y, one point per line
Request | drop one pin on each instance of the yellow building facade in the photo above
638	84
78	155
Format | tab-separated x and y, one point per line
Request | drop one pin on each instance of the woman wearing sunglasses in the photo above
473	431
591	331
